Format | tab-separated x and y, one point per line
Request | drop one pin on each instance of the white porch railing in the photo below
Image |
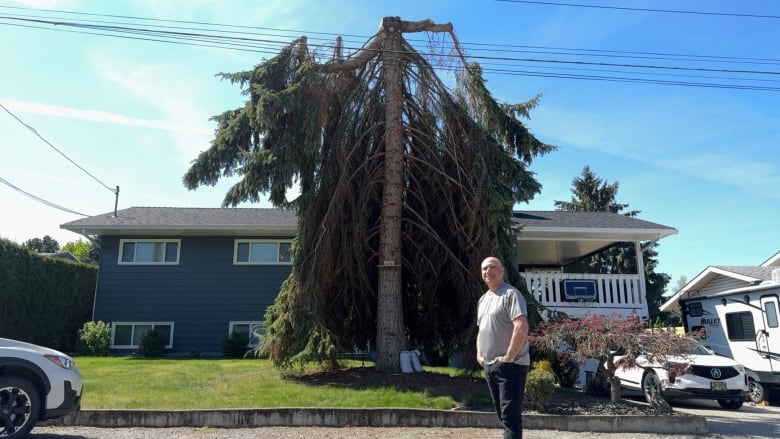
615	293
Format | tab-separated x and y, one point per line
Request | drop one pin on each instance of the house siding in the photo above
723	283
200	295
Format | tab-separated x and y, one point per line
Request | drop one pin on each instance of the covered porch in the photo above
552	244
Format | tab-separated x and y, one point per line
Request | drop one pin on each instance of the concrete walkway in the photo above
679	424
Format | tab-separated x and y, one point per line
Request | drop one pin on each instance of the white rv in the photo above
741	323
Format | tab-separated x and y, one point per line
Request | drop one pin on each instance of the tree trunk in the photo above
390	328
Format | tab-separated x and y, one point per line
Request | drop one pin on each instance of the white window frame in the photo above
261	241
168	345
122	243
250	323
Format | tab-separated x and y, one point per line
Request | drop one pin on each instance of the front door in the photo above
768	337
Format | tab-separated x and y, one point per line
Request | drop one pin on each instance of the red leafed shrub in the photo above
604	337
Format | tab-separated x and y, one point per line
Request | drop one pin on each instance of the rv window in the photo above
771	314
694	309
740	326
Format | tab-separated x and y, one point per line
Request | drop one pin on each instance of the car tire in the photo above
730	404
756	392
20	406
651	385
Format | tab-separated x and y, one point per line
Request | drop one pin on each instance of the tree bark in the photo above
391	339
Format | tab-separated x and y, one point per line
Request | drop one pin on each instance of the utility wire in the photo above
226	41
271	46
39	199
113	191
623	8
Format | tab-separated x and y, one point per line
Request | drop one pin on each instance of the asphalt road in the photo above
755	422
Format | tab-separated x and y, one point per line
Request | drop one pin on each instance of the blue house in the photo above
199	274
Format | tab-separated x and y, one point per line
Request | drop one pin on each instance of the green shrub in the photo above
543	364
539	387
235	345
152	344
94	339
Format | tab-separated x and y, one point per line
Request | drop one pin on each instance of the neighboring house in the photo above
62	255
719	278
199	274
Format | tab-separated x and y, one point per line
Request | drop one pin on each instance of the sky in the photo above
677	102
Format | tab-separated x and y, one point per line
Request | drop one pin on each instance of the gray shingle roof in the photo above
596	220
187	220
190	217
763	273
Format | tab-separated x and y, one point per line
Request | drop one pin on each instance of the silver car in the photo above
36	383
699	374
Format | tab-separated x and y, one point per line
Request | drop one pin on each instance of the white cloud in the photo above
102	116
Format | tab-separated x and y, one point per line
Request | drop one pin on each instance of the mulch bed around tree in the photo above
470	392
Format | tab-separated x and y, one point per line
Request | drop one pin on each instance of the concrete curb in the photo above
376	417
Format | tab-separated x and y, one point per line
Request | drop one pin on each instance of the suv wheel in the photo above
20	405
756	392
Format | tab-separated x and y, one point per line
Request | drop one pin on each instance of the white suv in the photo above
36	383
699	374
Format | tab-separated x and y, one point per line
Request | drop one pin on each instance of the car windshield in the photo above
699	349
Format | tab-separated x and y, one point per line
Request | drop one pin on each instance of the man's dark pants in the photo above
506	382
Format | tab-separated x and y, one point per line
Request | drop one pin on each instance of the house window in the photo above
127	335
740	326
253	330
149	251
262	252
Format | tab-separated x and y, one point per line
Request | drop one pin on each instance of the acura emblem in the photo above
715	372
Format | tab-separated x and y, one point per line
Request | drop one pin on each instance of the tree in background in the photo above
405	185
84	250
593	194
47	244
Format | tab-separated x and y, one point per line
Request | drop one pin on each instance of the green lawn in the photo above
175	384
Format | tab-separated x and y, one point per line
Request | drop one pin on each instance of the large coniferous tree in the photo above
331	127
593	194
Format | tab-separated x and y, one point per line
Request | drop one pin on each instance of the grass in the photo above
179	384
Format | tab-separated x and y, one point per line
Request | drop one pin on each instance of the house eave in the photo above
178	230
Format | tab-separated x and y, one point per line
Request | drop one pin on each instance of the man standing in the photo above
502	345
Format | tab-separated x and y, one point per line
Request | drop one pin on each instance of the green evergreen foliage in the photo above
94	339
465	166
593	194
235	345
44	300
539	387
152	344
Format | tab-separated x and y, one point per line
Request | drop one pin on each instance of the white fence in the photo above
614	293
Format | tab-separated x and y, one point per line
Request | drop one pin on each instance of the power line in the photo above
269	46
39	199
623	8
55	148
200	37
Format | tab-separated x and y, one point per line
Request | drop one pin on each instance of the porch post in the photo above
640	266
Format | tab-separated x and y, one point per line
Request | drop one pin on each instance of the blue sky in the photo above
134	114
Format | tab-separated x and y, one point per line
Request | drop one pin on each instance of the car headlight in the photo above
740	368
61	361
